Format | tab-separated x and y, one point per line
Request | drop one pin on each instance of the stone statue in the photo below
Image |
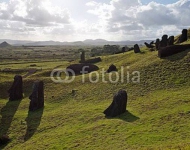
37	96
118	105
16	92
136	48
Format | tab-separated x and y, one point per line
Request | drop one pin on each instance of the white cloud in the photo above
117	20
134	18
35	20
92	3
35	12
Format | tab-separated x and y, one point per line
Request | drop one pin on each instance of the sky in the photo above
77	20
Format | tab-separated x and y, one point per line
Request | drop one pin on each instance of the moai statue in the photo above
123	49
118	105
171	50
37	96
164	41
82	56
136	48
112	67
183	37
149	45
171	40
157	44
16	91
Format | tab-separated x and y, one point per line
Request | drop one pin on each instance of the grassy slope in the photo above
158	108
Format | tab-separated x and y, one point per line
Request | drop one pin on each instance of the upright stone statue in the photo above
82	56
37	96
171	40
123	49
118	106
136	48
183	37
164	41
16	92
157	44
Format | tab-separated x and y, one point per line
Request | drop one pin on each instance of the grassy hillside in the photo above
157	117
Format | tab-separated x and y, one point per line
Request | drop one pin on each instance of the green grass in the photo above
157	117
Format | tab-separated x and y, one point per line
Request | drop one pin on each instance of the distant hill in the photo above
4	44
98	42
104	42
15	42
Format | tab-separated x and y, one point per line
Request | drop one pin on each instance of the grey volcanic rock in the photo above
118	105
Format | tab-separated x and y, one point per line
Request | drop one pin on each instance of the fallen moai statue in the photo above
77	69
171	50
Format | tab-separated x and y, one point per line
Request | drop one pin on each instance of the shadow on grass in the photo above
127	116
4	90
7	113
33	121
27	84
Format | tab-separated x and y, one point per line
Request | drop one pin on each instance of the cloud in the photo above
117	20
33	12
92	3
34	19
132	17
